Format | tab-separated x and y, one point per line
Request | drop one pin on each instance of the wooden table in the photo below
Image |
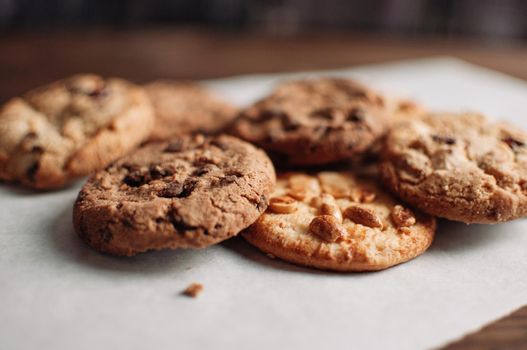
31	59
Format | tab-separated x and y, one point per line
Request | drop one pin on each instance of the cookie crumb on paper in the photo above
193	290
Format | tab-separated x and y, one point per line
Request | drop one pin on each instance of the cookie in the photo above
185	107
319	121
191	192
71	128
337	221
460	167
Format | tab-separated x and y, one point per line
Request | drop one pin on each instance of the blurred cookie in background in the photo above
186	107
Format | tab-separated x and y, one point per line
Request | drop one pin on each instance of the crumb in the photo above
269	255
193	290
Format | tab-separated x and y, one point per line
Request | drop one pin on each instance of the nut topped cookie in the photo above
191	192
70	128
337	221
458	166
185	107
315	121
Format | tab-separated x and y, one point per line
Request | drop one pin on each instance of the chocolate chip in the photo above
324	113
444	139
37	149
188	187
98	93
106	235
172	191
201	171
179	224
513	143
134	179
355	115
128	223
203	161
234	172
175	190
270	114
228	180
32	170
290	125
156	172
174	147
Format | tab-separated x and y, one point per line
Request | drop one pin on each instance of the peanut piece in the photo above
282	205
402	217
326	227
363	216
326	205
301	186
330	209
367	196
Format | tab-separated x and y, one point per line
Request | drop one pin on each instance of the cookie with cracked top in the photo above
461	167
70	128
338	221
186	107
317	121
191	192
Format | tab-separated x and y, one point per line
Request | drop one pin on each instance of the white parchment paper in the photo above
56	293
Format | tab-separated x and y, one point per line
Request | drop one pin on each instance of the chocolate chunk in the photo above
355	115
32	170
174	147
134	179
324	113
513	143
179	224
444	139
156	172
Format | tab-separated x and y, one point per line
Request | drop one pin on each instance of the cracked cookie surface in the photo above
191	192
315	121
337	221
185	107
70	128
458	166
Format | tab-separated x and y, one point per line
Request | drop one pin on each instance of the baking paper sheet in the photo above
56	293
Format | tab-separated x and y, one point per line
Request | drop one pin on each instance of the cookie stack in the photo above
164	173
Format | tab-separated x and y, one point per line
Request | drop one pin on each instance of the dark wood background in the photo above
31	59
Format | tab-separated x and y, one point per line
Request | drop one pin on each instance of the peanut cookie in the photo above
185	107
315	121
191	192
337	221
460	167
70	128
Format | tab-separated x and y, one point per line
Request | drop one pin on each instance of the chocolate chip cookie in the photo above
70	128
191	192
315	121
337	221
458	166
185	107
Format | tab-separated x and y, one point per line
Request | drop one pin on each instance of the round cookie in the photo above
191	192
317	121
71	128
337	221
185	107
458	166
